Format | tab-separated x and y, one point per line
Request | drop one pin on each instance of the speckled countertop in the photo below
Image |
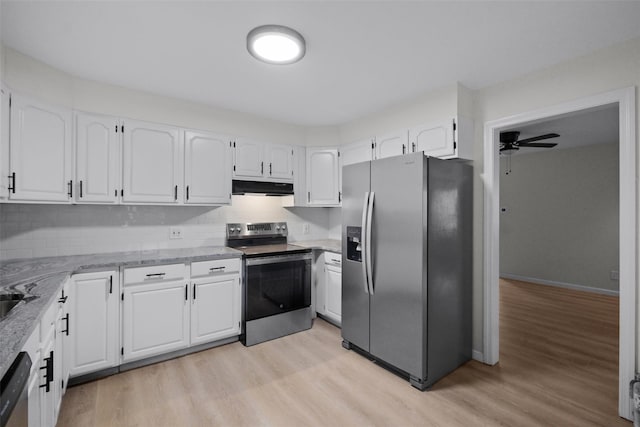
332	245
42	278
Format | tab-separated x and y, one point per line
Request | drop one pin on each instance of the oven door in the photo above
277	284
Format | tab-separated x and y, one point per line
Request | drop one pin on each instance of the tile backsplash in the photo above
28	231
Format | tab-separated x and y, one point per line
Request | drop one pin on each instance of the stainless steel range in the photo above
277	291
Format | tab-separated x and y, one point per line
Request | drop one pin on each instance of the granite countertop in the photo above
41	280
331	245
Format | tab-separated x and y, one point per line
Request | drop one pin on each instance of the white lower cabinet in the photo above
329	287
215	303
94	322
215	310
333	283
155	319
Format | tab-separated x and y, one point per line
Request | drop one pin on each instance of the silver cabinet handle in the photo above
158	275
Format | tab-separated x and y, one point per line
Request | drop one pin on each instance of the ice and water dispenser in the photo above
354	245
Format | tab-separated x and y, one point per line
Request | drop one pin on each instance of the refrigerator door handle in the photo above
363	236
368	244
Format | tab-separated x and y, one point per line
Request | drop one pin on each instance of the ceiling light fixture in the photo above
276	44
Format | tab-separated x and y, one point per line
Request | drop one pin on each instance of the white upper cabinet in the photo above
248	158
40	151
434	139
356	152
261	161
5	97
392	144
448	139
207	168
97	159
151	163
323	177
279	161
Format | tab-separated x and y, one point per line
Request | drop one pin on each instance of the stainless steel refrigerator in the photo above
407	264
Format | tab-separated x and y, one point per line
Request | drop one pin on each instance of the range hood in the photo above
261	187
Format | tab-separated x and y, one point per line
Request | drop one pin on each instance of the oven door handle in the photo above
277	259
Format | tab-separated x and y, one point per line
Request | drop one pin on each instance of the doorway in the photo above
625	99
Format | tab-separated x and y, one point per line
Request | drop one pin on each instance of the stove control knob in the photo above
277	228
284	227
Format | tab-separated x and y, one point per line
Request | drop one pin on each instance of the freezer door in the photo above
398	319
355	298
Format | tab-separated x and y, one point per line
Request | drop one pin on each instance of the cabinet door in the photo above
356	152
5	106
434	139
207	168
33	393
58	385
215	308
97	159
94	322
248	158
323	180
392	144
333	306
47	397
155	319
279	162
40	151
151	163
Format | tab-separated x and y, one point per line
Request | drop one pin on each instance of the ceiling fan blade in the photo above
539	144
538	138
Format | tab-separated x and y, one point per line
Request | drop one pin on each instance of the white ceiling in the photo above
587	127
361	56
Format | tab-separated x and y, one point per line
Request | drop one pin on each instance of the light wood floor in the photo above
558	367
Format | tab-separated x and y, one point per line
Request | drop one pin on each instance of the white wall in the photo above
435	106
49	230
29	76
561	216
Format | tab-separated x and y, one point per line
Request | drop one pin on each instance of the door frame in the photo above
628	231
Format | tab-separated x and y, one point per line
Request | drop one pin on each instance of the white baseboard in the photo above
561	284
477	355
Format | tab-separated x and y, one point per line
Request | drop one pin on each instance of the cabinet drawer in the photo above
332	258
155	273
206	268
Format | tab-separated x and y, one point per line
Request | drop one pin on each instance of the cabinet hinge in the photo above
122	192
122	351
234	168
234	144
338	154
116	128
122	128
61	383
122	296
230	144
9	100
373	145
454	124
455	145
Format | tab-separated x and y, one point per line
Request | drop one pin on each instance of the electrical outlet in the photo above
175	232
305	228
614	275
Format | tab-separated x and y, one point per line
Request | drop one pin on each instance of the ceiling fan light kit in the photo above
276	44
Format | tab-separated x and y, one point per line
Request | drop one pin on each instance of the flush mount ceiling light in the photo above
276	44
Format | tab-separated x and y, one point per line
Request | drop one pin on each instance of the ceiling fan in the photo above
509	141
